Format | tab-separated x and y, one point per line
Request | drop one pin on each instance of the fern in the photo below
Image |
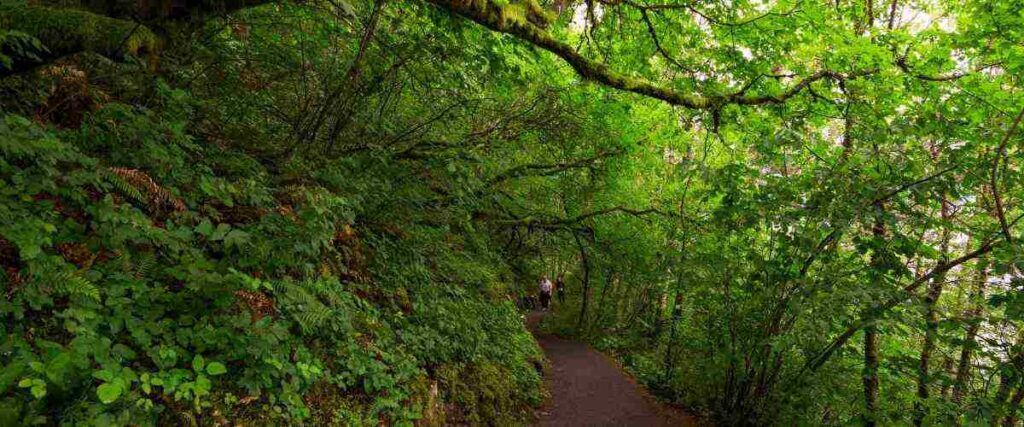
301	302
187	418
142	188
123	187
123	262
145	266
72	283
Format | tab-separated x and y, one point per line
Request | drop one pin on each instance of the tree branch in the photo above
913	184
544	169
65	32
1000	154
494	17
558	223
906	293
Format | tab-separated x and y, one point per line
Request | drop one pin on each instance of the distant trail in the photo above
588	390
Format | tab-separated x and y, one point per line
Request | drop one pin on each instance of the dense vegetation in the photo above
253	212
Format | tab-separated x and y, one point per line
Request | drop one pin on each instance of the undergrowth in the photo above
152	277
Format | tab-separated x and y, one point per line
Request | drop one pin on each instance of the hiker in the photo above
560	287
545	292
527	302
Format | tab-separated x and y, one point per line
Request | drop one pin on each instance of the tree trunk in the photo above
947	367
585	292
1011	413
931	330
677	311
871	331
870	374
1009	378
601	307
931	320
658	313
963	370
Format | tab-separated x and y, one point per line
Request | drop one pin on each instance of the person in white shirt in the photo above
545	292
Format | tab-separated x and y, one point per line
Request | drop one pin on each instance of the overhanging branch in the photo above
544	169
496	18
559	223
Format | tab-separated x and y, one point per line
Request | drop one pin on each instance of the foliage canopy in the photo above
774	212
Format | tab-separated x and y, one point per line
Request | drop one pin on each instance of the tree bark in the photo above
65	31
585	292
870	374
947	366
677	311
871	330
963	370
1011	413
931	319
601	306
1009	379
489	14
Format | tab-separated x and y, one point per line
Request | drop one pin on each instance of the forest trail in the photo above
587	389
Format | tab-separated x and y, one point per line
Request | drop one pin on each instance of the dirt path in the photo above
587	389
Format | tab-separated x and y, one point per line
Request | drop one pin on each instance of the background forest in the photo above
323	212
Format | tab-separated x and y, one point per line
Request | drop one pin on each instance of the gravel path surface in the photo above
587	389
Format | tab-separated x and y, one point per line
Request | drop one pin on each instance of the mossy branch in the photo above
68	31
500	19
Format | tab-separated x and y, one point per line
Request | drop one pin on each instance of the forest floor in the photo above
589	389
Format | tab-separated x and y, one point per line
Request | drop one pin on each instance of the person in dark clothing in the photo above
545	292
560	287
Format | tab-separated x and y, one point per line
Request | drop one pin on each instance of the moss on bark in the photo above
67	31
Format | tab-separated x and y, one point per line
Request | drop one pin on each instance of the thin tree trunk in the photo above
870	374
344	115
586	282
963	370
618	301
892	14
931	320
1006	383
659	311
947	366
601	307
871	334
870	13
1011	414
1009	378
931	329
677	312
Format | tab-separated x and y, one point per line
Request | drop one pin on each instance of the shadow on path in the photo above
587	389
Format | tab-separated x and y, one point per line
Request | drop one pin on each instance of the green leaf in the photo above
220	232
216	368
205	228
104	375
202	385
109	392
236	238
39	391
198	363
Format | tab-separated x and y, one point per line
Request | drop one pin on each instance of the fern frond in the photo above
279	287
187	418
141	187
301	301
72	283
123	187
145	266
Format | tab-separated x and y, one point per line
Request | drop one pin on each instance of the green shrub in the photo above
136	293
